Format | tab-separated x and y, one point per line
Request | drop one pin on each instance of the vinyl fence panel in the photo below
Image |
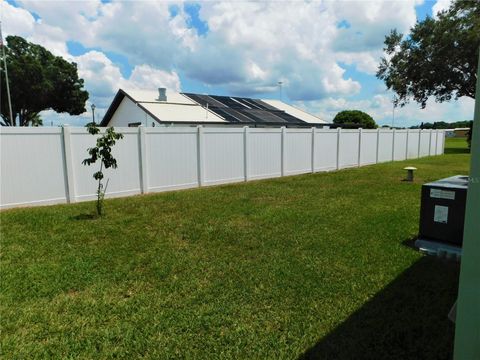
385	145
172	158
298	151
349	148
125	180
325	156
425	143
400	146
433	142
265	153
32	166
440	142
368	153
412	151
224	155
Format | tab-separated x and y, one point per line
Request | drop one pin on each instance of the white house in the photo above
165	108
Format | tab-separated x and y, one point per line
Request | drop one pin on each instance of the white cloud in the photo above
286	41
370	21
103	78
366	62
440	5
16	21
250	45
146	77
381	109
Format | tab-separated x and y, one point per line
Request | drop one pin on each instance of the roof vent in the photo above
162	94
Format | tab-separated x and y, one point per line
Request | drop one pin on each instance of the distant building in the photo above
449	133
166	108
461	132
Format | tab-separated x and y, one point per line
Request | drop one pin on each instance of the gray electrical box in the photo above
442	211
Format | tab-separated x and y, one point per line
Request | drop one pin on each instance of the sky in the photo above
325	53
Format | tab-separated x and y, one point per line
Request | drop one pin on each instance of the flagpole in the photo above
6	77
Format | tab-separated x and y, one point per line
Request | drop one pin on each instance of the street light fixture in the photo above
93	112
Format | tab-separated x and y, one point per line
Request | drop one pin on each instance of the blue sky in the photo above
324	52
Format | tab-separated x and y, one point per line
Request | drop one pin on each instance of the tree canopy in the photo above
438	58
443	125
39	81
356	117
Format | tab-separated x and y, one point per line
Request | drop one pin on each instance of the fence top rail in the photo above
213	130
299	130
349	131
170	130
266	130
12	130
83	130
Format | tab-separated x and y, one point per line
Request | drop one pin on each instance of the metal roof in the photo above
198	108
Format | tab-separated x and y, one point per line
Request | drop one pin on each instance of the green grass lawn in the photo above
311	266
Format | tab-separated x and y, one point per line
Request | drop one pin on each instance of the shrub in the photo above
356	117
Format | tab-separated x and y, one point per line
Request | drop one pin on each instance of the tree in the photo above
356	117
438	58
103	152
39	81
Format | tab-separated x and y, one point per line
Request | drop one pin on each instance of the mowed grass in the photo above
313	266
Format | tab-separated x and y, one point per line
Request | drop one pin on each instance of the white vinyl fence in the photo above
44	165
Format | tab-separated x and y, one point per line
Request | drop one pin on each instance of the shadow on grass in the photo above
406	320
85	217
410	243
456	150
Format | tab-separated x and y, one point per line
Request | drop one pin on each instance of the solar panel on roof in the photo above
264	105
244	110
229	102
265	116
238	116
252	104
246	104
204	100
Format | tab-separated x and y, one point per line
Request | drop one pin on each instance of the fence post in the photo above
284	132
142	142
430	143
378	146
313	150
67	155
393	144
419	142
443	141
436	142
406	148
245	152
339	132
200	140
359	146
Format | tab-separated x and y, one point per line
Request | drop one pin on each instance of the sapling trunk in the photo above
100	193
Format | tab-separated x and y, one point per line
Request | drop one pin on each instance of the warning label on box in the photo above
442	194
441	214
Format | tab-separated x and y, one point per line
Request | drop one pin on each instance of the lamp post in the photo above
93	112
393	111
